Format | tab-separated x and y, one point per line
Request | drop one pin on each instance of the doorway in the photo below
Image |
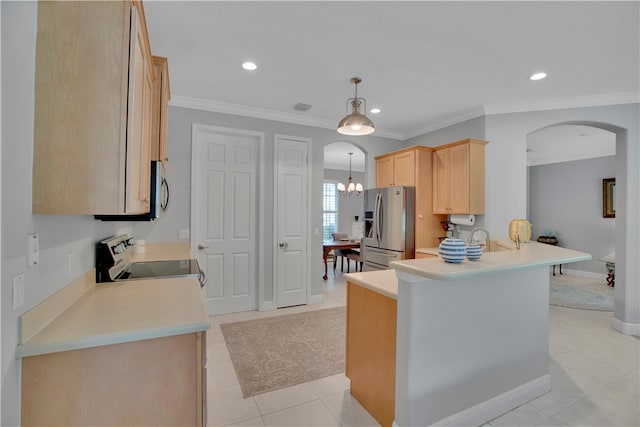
292	218
566	166
225	199
340	210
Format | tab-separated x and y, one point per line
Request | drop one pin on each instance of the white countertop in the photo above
531	255
383	282
113	313
428	251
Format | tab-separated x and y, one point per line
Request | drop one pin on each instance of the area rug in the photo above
276	352
585	293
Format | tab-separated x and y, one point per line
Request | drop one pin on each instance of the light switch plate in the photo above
183	234
33	250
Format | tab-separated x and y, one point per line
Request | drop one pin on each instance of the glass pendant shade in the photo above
351	187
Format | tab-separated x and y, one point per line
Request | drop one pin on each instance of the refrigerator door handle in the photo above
380	220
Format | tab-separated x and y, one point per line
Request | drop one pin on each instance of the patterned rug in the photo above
585	293
276	352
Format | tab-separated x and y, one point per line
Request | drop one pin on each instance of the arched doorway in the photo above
625	291
340	210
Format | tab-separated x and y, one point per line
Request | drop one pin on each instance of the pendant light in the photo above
350	188
356	123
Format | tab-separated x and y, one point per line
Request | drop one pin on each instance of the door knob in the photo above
202	247
283	245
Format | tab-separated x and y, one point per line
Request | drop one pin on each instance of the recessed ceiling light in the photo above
249	66
538	76
374	110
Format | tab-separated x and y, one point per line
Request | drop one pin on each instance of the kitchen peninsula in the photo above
471	339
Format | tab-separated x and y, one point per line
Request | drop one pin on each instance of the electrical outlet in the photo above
18	291
33	250
183	234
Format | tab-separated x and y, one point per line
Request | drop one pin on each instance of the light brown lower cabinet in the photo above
158	381
371	351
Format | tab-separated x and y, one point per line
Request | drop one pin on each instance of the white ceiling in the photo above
569	142
336	156
426	64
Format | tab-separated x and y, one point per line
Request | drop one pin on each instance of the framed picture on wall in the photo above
608	197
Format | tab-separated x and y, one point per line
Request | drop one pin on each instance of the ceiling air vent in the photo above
302	107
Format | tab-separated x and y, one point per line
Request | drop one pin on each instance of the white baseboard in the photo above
267	306
626	328
499	405
316	299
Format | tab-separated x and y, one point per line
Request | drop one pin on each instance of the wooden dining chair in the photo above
342	253
357	256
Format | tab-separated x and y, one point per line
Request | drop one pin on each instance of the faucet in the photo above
486	232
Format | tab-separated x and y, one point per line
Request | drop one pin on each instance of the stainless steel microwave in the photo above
159	198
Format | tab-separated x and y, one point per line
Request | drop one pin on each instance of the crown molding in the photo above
447	121
485	110
261	113
564	103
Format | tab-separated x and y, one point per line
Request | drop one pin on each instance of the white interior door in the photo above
291	209
224	201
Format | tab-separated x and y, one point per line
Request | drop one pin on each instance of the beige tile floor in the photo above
594	374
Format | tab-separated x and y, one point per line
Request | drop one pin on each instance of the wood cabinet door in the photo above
404	167
139	120
441	187
384	172
459	179
161	95
142	383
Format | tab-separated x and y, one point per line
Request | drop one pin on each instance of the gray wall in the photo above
472	128
567	198
179	176
61	236
348	207
506	181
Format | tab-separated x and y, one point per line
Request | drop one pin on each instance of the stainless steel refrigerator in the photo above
389	226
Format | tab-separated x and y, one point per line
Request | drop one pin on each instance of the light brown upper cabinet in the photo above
412	167
93	103
458	177
160	123
397	168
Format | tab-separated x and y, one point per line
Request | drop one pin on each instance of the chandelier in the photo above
356	123
350	188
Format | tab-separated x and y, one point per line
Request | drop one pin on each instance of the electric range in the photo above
113	263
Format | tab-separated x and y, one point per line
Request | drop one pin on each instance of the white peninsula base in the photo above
482	349
473	338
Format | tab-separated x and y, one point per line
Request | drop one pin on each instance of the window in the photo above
329	209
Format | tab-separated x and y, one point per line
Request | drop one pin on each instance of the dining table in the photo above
329	245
